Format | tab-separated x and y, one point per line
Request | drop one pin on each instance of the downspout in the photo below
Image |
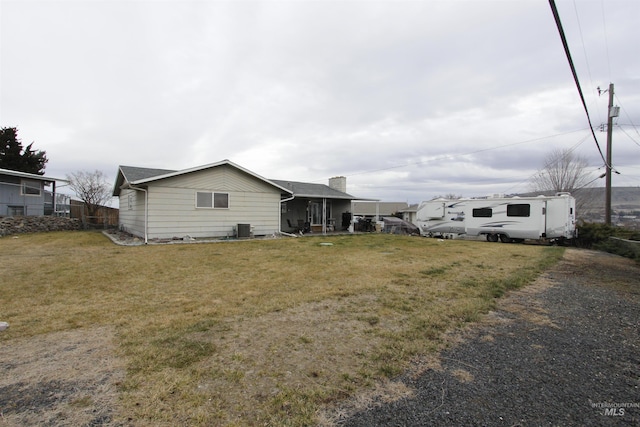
352	226
280	212
146	211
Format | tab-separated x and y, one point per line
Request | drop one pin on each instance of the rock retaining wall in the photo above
33	224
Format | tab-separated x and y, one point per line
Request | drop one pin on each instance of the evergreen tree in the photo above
14	157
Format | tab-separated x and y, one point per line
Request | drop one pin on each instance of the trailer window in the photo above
519	210
482	213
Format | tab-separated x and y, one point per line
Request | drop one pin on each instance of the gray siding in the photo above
11	196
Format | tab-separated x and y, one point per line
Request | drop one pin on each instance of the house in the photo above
26	194
316	208
409	213
220	199
223	199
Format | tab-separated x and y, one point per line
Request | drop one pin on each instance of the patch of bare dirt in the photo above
60	379
305	343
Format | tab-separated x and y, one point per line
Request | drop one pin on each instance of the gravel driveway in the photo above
561	352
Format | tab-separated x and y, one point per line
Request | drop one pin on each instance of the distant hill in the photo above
622	198
625	201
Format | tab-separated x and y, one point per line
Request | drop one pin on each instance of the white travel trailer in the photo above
510	219
441	218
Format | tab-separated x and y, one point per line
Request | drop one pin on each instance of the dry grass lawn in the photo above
263	332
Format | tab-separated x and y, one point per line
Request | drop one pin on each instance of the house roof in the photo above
29	175
411	208
132	175
306	189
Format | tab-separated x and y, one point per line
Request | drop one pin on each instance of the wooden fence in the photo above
105	217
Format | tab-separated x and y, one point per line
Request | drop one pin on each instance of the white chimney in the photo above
338	183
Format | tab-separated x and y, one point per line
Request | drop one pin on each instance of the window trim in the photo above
213	200
28	183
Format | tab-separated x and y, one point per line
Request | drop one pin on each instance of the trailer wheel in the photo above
505	239
492	237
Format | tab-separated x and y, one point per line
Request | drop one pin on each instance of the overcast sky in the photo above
407	99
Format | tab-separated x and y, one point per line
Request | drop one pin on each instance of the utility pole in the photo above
611	113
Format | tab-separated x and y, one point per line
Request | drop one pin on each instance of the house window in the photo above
31	188
482	213
15	210
221	200
519	210
316	212
130	202
212	200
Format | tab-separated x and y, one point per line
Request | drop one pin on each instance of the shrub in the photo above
620	247
599	236
591	233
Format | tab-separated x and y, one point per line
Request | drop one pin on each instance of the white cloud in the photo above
406	99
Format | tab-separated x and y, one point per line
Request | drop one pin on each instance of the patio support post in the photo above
324	216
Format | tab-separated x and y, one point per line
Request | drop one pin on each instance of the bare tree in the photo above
92	188
448	196
563	171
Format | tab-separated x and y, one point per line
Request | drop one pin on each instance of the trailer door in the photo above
545	224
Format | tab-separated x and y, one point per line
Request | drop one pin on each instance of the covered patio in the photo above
315	208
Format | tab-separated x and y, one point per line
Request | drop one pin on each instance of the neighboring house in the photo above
409	214
26	194
316	207
216	200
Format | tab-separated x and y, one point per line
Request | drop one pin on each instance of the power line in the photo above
606	43
575	75
568	152
629	136
453	156
586	57
628	116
